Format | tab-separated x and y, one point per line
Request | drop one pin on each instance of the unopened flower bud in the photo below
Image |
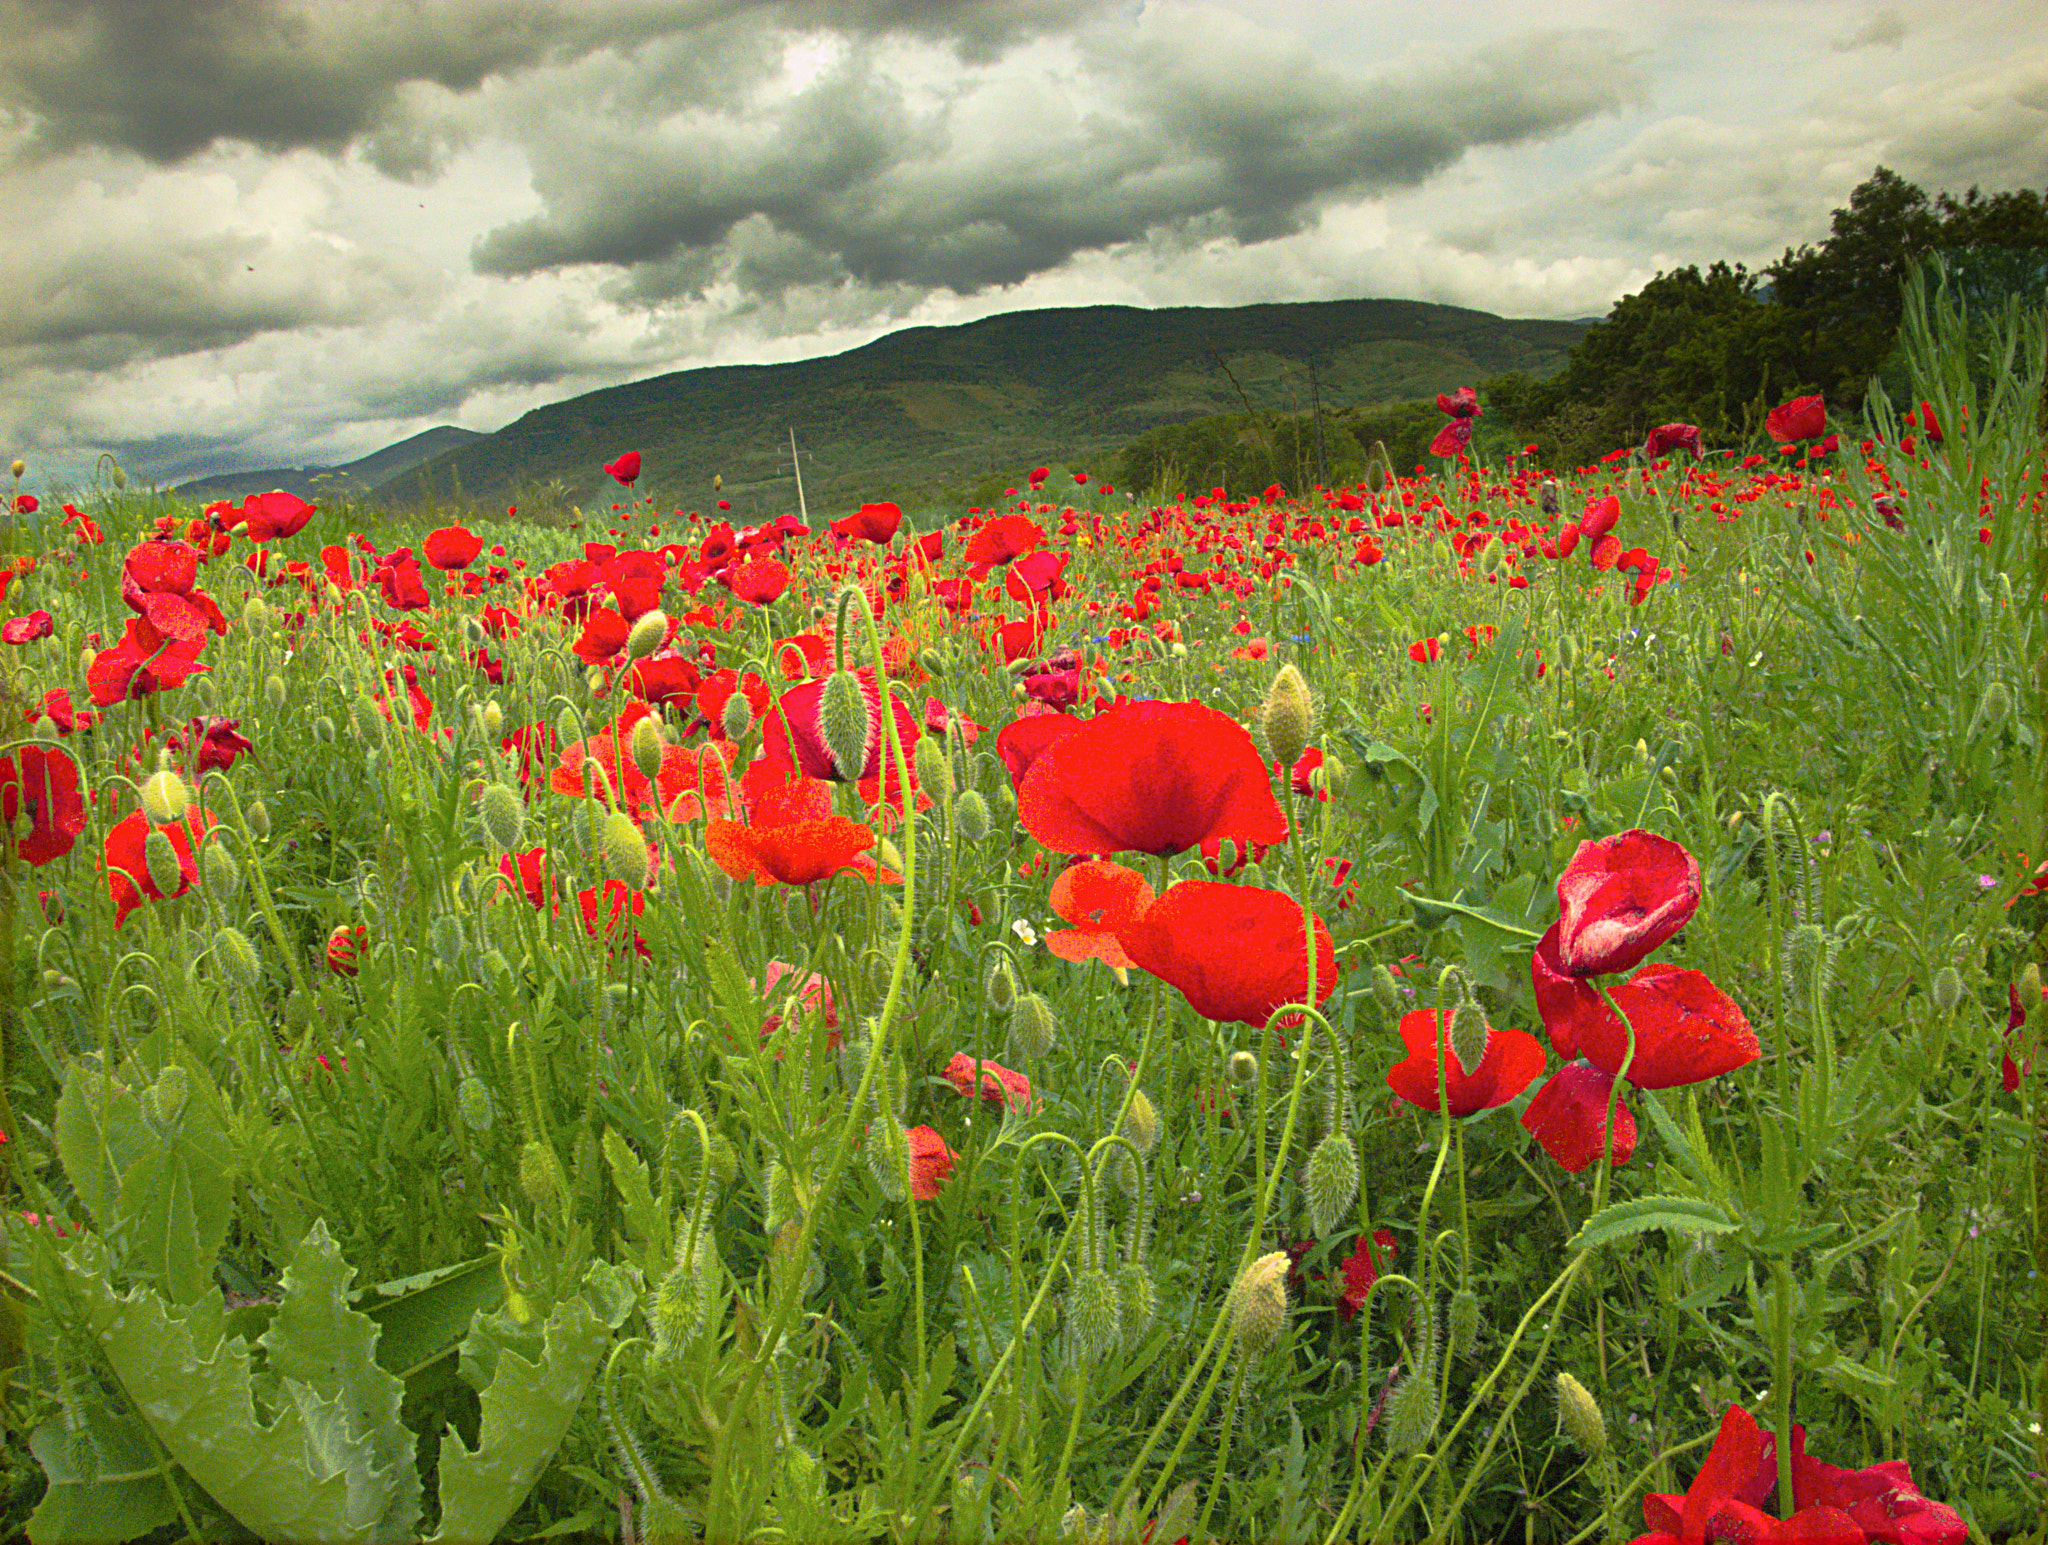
934	768
568	727
165	796
1993	709
1242	1068
1092	1317
537	1172
258	817
1469	1035
167	1094
1411	1412
1033	1025
503	816
494	719
625	854
274	692
19	467
1464	1322
255	616
206	694
1386	990
971	816
1139	1302
888	1151
1579	1418
1288	715
2030	985
473	1104
684	1301
843	724
647	635
323	730
1141	1122
219	871
1948	989
1000	987
647	745
166	874
1258	1304
1331	1182
737	717
237	956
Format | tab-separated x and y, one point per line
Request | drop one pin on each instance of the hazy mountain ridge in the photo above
355	478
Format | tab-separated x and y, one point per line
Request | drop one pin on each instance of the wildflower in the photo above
1666	438
344	946
1362	1269
931	1162
1513	1059
1803	418
41	784
130	877
1567	1115
1622	897
1098	897
1463	407
626	468
1236	952
876	523
452	547
999	1085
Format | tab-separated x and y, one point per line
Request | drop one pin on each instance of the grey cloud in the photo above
858	184
1884	29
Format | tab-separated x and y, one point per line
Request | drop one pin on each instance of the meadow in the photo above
1455	1007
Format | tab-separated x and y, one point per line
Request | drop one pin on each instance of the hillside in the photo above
354	478
930	411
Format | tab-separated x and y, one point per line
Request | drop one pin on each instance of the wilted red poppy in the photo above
1150	778
1666	438
626	468
344	945
1362	1269
1098	897
1236	952
26	630
1567	1114
43	784
1022	743
1621	897
1803	418
452	547
999	1085
128	877
796	853
2015	1019
1512	1061
931	1161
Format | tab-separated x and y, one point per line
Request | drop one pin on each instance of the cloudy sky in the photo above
248	233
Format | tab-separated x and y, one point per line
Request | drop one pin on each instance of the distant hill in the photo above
354	479
932	412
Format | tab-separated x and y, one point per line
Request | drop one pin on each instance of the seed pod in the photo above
843	724
1288	715
503	814
1093	1317
647	635
1948	989
647	745
473	1104
1411	1412
259	819
737	717
165	796
1138	1302
1469	1035
161	860
1579	1417
1464	1321
1258	1304
971	816
1035	1028
1331	1182
218	869
237	956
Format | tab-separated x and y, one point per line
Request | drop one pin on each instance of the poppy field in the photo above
1495	1002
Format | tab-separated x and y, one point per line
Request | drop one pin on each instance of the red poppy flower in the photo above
1803	418
758	581
275	515
1236	952
813	996
1362	1269
996	543
343	947
1621	897
43	784
219	740
875	523
1880	1500
626	468
794	853
999	1085
1606	552
1687	1029
931	1161
2016	1017
452	547
1463	407
144	661
1512	1061
1098	898
1600	518
1150	778
619	899
1426	650
26	630
1022	743
128	877
1566	1116
529	872
403	586
1666	438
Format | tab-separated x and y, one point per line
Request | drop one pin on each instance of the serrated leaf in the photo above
100	1134
636	1196
1673	1214
527	1408
424	1318
104	1481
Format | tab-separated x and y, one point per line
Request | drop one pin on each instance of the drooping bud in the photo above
1993	709
1331	1182
473	1104
259	819
494	719
1139	1302
444	938
971	816
503	814
626	857
1035	1028
647	745
843	723
1386	990
934	768
1093	1317
218	870
888	1150
323	730
737	717
1288	715
1579	1417
165	796
1469	1035
2030	985
167	1094
568	726
1464	1322
255	616
1412	1412
161	860
1141	1122
647	635
1947	989
1258	1304
237	956
274	692
207	694
1000	987
684	1301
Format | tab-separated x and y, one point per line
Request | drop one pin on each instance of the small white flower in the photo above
1024	931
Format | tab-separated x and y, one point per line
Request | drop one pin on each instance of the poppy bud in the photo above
363	718
323	730
161	860
273	691
1331	1182
843	723
594	680
933	662
888	1151
258	818
1411	1412
494	719
1287	716
1469	1035
165	796
625	850
647	635
647	746
1242	1068
737	717
2030	983
342	945
1258	1304
1579	1418
444	938
1093	1317
934	768
783	1259
1000	988
18	468
890	856
503	814
1947	989
1568	653
237	956
1138	1302
255	616
217	867
1386	990
568	726
1034	1028
473	1104
206	694
1993	709
971	816
537	1172
1464	1321
684	1301
780	1195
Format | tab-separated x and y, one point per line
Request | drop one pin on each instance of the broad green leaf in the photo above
100	1134
425	1317
104	1481
527	1408
1673	1214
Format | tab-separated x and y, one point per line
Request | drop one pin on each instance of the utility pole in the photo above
1315	397
803	510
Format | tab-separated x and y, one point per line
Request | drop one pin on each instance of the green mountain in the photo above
931	413
355	478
